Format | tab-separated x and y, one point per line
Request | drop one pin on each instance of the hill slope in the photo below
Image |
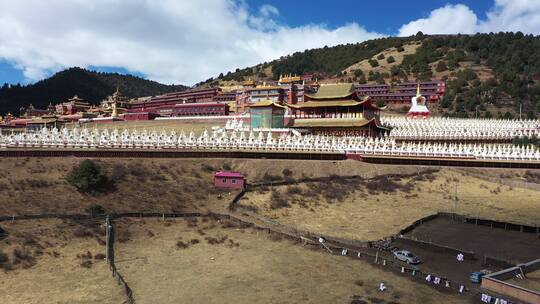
487	74
90	85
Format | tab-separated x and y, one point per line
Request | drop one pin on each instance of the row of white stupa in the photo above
439	128
224	140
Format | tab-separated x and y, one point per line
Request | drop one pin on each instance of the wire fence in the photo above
110	260
359	250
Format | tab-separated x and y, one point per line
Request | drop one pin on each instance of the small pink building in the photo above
232	180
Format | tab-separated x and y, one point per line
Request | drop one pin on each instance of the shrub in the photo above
400	49
294	190
82	232
192	222
267	177
139	172
277	200
29	239
21	256
86	264
441	66
390	59
251	208
37	183
208	168
181	245
287	172
373	63
88	177
118	172
4	261
3	233
227	167
381	56
95	210
158	177
3	258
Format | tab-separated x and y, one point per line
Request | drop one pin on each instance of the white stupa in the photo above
418	105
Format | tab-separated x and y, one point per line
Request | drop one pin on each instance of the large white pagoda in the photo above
418	105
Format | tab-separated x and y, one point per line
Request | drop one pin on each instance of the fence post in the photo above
107	239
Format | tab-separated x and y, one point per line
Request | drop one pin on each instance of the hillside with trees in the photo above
89	85
488	75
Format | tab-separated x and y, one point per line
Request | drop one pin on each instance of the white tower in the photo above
418	105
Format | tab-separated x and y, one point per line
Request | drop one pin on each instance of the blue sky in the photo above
189	41
367	13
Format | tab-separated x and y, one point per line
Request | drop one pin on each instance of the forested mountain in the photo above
89	85
487	74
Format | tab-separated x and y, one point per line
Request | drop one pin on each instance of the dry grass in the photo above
37	185
384	67
261	269
57	274
368	213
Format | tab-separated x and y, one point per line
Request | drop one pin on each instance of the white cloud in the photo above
506	15
189	41
513	15
169	41
268	10
449	19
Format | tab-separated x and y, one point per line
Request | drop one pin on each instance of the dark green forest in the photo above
513	57
89	85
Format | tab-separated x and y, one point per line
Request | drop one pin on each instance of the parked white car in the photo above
406	256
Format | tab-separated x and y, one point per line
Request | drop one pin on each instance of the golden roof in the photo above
332	91
263	87
289	78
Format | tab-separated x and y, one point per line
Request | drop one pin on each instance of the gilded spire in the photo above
418	89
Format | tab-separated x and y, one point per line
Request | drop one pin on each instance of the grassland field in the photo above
50	258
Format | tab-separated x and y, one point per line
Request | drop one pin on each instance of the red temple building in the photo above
293	87
225	97
33	112
169	100
254	94
201	109
402	93
72	106
232	180
196	102
337	109
288	90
